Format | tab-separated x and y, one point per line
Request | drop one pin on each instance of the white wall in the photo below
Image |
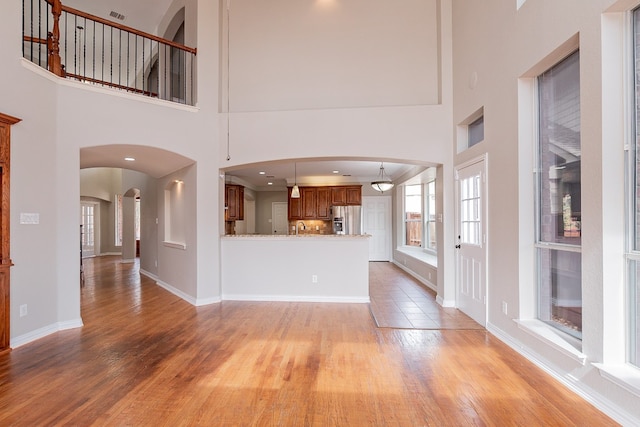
497	51
291	55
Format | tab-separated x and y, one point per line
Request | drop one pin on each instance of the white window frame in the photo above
539	243
419	221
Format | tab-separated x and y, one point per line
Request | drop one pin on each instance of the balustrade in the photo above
77	45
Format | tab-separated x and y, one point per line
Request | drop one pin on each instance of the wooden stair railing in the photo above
56	65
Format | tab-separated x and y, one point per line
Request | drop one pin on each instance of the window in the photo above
413	215
633	222
476	131
558	197
430	219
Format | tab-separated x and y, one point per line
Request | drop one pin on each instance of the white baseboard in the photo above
605	405
416	276
445	303
296	298
177	292
43	332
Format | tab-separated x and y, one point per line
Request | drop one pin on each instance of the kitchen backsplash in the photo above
312	226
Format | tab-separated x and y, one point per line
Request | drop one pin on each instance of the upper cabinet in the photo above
234	202
346	195
316	202
354	195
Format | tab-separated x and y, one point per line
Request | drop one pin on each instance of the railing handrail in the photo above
122	27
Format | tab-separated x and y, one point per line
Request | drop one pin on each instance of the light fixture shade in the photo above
295	192
382	186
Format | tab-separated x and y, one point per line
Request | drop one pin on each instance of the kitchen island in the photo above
315	268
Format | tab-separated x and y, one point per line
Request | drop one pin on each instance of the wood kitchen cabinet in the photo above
234	202
346	195
295	210
338	196
316	202
354	195
308	197
323	205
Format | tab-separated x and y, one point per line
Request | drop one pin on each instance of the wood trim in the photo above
6	122
114	85
34	40
126	28
4	118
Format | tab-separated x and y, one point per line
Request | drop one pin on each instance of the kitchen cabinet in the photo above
316	202
323	205
234	202
354	195
308	196
346	195
338	196
295	211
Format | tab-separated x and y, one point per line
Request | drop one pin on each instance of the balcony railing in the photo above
77	45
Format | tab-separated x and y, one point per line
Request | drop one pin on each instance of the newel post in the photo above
53	40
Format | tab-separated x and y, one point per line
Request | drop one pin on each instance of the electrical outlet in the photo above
504	307
314	278
23	310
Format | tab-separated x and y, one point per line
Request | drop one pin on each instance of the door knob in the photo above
457	246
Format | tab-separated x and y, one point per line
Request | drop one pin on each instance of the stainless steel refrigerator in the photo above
347	219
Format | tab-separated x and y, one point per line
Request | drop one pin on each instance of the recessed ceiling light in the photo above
336	171
262	172
129	159
269	183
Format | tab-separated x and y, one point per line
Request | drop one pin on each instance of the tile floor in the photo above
400	301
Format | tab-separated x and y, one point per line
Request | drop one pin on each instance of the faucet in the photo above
304	227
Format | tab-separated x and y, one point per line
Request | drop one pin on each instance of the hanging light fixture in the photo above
295	191
382	184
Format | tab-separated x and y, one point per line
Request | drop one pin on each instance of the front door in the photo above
471	287
377	223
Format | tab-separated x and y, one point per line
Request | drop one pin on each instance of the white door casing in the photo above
471	276
376	212
279	218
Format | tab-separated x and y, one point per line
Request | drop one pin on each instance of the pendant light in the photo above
295	191
382	184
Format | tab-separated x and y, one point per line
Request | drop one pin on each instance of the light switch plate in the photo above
29	218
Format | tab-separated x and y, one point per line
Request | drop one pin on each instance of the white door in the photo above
88	229
471	242
279	218
376	213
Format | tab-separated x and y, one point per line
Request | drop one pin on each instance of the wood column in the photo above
5	258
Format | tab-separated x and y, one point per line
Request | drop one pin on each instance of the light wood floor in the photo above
147	358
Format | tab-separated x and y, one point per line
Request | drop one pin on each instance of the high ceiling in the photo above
140	14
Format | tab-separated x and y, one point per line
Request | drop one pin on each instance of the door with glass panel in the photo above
88	229
471	287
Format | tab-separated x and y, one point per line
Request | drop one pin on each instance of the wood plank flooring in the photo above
147	358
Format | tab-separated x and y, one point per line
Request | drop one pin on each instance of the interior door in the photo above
88	229
471	275
376	212
279	218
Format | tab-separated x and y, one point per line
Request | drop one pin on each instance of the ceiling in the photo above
140	14
150	160
317	172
